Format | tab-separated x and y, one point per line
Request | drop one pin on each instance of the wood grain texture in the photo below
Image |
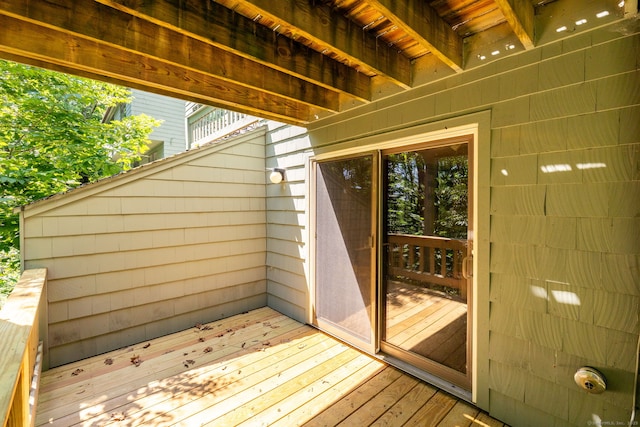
229	30
257	368
19	335
324	29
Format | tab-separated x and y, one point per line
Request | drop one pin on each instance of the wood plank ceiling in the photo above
295	61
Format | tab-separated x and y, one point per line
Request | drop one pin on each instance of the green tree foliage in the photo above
52	138
451	197
406	193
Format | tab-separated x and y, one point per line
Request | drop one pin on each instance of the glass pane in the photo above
426	231
343	246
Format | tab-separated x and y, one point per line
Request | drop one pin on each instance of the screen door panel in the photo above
344	272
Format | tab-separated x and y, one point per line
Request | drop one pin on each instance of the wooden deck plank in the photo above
260	368
404	409
334	394
461	415
206	406
101	380
485	420
195	379
379	404
167	361
221	390
433	411
161	344
336	413
293	402
273	398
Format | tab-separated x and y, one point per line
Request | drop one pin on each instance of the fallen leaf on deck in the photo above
199	325
266	343
147	345
119	416
208	350
77	372
243	344
191	362
185	354
201	339
108	361
136	360
206	328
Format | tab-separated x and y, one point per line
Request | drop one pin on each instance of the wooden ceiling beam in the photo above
423	23
102	23
227	30
520	15
334	32
45	45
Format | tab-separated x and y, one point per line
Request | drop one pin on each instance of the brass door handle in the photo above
465	267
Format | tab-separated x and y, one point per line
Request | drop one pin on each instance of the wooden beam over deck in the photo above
230	31
93	24
46	45
424	24
333	32
519	15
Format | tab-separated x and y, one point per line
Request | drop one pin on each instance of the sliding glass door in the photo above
409	292
427	249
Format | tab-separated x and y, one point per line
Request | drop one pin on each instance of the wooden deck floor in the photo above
428	324
258	368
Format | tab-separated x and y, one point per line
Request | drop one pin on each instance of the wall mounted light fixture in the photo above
276	176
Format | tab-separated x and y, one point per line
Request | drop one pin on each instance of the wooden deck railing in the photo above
435	260
22	330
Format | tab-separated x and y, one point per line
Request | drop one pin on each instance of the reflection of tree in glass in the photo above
405	193
451	197
407	187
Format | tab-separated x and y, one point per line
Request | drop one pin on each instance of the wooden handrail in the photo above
424	258
21	322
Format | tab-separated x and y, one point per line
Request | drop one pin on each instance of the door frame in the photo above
478	125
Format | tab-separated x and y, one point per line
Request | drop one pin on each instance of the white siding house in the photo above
170	135
167	139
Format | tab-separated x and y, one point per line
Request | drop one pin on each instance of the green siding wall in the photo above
564	285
